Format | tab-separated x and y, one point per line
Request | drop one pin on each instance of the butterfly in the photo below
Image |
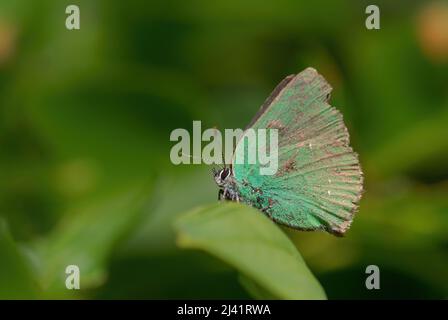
319	181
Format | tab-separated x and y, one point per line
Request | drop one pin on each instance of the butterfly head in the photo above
221	176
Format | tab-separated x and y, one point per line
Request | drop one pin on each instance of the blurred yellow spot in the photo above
432	27
8	41
76	177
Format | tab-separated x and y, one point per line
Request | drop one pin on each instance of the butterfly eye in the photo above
224	173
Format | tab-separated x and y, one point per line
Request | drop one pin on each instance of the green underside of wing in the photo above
319	181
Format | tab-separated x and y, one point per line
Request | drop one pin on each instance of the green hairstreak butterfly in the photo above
319	181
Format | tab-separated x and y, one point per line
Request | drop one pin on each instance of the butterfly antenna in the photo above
222	149
190	156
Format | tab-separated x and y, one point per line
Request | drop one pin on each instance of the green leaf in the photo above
254	289
246	239
86	238
155	232
16	279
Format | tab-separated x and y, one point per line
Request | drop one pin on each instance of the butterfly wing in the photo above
318	184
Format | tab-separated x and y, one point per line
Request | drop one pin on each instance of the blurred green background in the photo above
85	118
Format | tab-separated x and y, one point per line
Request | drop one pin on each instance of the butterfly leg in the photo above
234	196
267	208
228	194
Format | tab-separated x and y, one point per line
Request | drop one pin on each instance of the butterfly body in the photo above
319	180
228	189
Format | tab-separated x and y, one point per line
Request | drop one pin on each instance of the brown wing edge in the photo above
270	99
308	72
341	229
